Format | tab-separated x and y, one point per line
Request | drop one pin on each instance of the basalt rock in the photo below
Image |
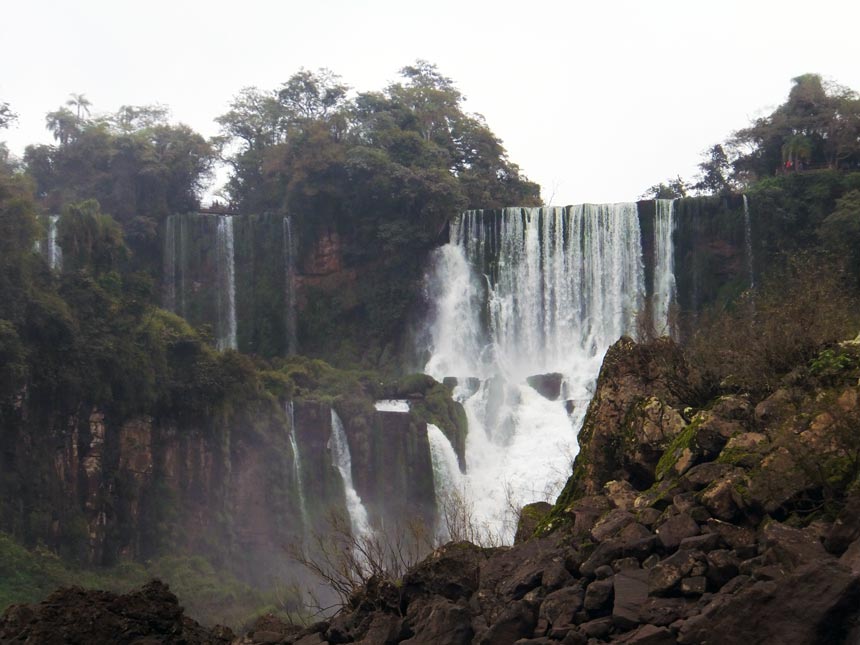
74	615
547	385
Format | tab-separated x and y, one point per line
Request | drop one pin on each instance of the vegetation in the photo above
211	597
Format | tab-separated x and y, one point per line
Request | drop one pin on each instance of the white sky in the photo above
596	101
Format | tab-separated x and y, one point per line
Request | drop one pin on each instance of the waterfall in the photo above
447	479
358	519
297	469
664	291
55	252
748	242
289	288
226	263
521	292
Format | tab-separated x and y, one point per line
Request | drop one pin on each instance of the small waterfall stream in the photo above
664	290
226	264
342	461
748	243
447	479
297	470
55	251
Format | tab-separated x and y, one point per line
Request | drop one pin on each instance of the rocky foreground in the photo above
731	523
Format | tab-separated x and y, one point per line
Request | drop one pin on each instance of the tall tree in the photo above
80	103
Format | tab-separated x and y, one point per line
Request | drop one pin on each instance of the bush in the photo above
754	343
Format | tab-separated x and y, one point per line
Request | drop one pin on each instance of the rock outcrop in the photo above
149	615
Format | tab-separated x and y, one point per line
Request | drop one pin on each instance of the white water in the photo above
297	470
392	405
55	252
664	290
447	479
527	292
226	263
358	519
290	288
748	242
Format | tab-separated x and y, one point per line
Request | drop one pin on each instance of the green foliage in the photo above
672	188
834	365
91	239
715	172
819	125
137	166
207	594
840	231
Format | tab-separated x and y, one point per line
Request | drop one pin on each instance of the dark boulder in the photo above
817	603
74	615
547	385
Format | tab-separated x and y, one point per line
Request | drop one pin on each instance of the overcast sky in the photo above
594	100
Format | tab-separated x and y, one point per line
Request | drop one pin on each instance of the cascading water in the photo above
358	518
664	290
447	479
55	252
289	287
524	292
297	469
226	263
748	242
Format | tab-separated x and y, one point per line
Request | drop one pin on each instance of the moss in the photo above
739	457
686	439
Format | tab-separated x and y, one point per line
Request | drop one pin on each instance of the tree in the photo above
312	95
715	177
840	231
80	103
91	239
819	124
7	116
63	124
670	189
130	118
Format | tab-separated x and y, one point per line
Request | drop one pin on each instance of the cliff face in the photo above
98	490
223	485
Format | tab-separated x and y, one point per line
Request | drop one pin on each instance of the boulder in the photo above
631	594
817	603
649	635
597	596
530	516
75	615
451	571
559	607
611	524
671	532
516	621
438	621
791	547
547	385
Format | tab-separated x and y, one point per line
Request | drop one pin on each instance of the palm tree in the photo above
796	149
81	104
